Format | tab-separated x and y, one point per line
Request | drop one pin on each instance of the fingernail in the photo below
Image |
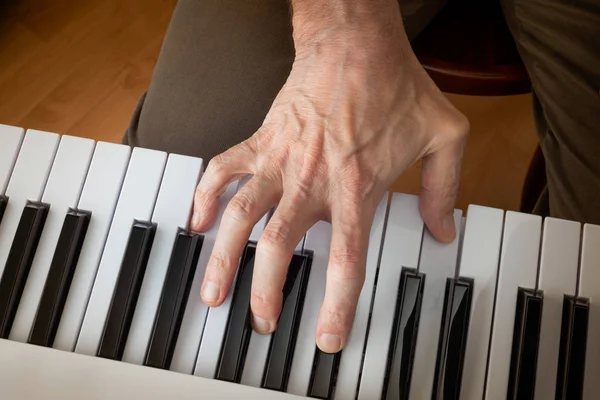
330	343
448	226
195	220
260	325
210	292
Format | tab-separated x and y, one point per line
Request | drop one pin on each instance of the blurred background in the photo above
78	67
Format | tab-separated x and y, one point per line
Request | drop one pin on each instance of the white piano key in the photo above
61	193
136	202
518	268
589	287
11	138
317	240
350	361
480	257
557	278
438	263
194	318
172	211
99	196
256	359
216	322
27	183
401	248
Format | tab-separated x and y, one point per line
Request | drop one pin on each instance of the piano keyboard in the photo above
100	279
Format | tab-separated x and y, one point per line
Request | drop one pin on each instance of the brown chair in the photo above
467	49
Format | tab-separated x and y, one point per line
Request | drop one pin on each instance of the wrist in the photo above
333	22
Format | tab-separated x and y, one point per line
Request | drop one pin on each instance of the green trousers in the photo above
223	62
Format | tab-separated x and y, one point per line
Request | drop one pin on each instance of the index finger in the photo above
223	169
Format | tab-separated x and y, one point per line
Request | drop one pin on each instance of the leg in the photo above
221	66
558	42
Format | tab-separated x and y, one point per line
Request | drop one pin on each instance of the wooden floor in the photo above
78	67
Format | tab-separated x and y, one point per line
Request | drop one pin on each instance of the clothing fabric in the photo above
223	62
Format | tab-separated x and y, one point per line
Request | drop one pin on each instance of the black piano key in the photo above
19	261
322	380
453	341
127	289
526	338
238	329
404	335
3	203
283	342
173	300
60	275
573	339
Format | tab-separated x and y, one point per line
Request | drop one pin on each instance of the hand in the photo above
355	112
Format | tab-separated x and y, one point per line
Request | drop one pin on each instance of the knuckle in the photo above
273	236
436	193
271	170
217	166
310	163
302	191
251	145
356	181
240	207
345	264
459	128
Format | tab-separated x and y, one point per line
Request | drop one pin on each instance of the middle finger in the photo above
275	248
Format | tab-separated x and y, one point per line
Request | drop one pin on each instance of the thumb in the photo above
440	177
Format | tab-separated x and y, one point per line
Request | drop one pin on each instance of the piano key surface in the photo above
60	276
27	183
518	268
173	299
18	263
404	335
479	261
99	197
61	193
589	287
11	138
216	321
115	332
557	278
194	318
437	264
500	255
171	212
318	239
401	248
136	202
258	349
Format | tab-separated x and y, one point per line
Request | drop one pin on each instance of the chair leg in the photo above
535	182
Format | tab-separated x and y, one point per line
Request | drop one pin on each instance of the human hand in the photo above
355	112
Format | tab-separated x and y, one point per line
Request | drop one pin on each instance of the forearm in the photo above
312	19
